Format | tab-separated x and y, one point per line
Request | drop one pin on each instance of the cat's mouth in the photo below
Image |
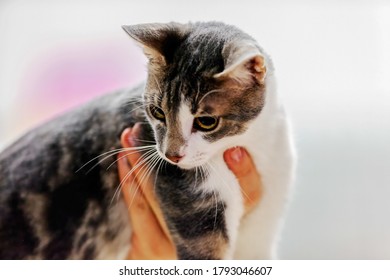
186	162
183	164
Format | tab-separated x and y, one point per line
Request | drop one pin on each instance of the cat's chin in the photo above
189	166
186	166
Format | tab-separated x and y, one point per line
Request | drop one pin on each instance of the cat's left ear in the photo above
158	40
243	63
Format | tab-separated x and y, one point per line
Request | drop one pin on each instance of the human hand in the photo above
150	239
240	163
150	236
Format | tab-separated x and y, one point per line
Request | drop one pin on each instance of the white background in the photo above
333	65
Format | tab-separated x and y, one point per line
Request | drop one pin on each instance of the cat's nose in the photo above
174	158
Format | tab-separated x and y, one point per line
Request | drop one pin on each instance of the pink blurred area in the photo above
70	75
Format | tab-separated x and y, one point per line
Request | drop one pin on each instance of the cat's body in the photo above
51	209
48	210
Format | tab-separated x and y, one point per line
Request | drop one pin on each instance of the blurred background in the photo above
332	61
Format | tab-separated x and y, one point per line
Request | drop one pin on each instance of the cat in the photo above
210	87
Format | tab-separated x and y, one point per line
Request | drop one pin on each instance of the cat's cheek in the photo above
159	135
197	151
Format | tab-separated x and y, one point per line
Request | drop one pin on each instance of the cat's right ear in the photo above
159	41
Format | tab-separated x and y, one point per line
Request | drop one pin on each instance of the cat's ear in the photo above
159	41
243	63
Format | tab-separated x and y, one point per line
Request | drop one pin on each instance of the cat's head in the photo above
206	84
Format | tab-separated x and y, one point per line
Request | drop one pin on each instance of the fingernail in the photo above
131	141
237	154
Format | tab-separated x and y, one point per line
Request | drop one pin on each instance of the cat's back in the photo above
69	139
45	200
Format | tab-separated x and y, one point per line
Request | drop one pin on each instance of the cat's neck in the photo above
266	121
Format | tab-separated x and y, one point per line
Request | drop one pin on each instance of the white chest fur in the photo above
269	143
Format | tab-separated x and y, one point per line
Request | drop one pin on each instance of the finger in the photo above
241	164
135	158
148	241
127	180
146	184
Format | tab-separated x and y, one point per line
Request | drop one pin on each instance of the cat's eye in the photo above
157	113
205	123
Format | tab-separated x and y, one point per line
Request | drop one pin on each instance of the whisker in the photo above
216	209
144	164
199	173
139	162
126	156
196	176
110	155
223	180
136	108
146	141
197	93
149	169
206	171
229	187
209	92
202	172
154	161
160	165
158	85
214	196
133	101
112	152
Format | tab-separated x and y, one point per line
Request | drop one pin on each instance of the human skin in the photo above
150	239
